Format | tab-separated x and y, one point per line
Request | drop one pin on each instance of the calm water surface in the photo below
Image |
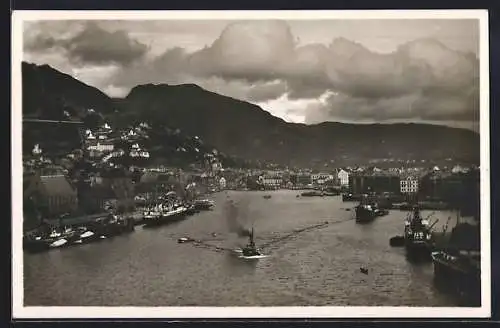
318	267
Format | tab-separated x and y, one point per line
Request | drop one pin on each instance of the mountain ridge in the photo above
245	130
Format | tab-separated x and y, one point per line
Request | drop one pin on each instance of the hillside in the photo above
241	129
48	92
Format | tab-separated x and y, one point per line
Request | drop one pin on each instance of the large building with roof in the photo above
58	194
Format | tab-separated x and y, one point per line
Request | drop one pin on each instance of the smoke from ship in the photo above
237	218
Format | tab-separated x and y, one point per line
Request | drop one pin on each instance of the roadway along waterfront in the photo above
315	267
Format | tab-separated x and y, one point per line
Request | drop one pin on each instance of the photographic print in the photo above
251	164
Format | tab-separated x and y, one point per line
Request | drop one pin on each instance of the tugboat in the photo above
417	233
250	251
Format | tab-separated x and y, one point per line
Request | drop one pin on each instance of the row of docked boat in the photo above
102	228
168	212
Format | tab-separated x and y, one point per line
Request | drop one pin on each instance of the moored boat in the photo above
203	204
365	213
457	263
460	273
314	193
417	234
168	215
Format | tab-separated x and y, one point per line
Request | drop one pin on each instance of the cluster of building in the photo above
107	172
93	179
432	182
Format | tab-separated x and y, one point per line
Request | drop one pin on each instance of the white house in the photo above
271	180
409	185
102	146
458	169
343	177
144	154
321	178
37	150
222	183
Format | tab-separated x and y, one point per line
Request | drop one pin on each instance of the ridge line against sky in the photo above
356	71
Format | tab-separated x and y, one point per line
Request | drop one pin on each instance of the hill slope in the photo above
245	130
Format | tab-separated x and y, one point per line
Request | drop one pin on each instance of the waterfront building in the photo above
37	150
343	177
271	180
301	178
321	178
409	184
222	183
59	195
378	182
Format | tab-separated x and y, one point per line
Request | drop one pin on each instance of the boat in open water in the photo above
250	251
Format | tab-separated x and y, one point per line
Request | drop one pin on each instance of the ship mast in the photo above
252	243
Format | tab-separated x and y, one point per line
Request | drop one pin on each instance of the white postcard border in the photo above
19	311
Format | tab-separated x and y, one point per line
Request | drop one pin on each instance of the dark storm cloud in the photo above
259	61
93	45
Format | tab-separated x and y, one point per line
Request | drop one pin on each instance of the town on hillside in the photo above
114	171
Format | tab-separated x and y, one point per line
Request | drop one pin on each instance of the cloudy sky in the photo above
302	71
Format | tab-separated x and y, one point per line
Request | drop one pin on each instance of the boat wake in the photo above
252	257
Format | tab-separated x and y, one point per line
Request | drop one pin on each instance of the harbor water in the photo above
313	268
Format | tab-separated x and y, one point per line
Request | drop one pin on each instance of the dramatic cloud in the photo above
429	76
93	45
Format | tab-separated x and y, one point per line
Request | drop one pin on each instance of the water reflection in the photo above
319	267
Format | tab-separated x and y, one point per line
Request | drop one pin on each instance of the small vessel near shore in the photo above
313	193
56	238
112	225
349	197
168	214
368	209
365	213
203	204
